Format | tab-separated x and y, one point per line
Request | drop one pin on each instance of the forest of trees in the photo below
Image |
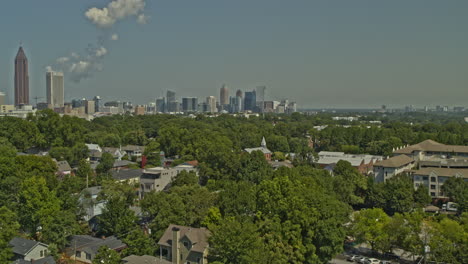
297	215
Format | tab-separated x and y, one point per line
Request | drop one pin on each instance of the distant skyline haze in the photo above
321	54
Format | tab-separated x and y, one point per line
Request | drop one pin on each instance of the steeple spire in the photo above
263	142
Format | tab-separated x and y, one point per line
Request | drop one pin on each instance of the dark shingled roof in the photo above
133	259
394	162
126	174
91	244
198	237
46	260
22	246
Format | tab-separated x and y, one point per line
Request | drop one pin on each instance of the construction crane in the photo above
36	98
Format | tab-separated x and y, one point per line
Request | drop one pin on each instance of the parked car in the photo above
361	260
385	262
352	258
372	261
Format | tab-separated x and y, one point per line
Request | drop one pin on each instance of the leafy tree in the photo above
123	190
37	204
61	153
399	194
421	196
448	242
117	218
9	227
349	184
84	170
185	178
234	242
106	163
138	244
457	189
368	226
187	205
57	228
105	255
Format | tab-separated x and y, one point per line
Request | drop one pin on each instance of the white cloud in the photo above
142	19
101	52
116	10
115	37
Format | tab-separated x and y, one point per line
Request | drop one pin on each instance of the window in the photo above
433	187
78	254
425	178
88	256
198	260
432	193
433	179
41	253
45	252
186	244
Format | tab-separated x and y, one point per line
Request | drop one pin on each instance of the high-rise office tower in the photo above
224	95
189	104
2	98
211	102
55	89
171	98
21	79
239	93
97	103
260	93
160	104
250	101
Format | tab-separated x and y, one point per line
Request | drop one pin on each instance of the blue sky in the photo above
326	53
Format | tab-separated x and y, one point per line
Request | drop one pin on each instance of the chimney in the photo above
175	245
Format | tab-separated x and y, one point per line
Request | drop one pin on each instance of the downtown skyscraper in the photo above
21	78
224	95
55	89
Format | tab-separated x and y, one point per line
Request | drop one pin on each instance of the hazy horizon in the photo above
321	54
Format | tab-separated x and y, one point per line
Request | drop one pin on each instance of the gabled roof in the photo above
447	172
91	244
395	162
46	260
23	246
63	165
262	149
133	148
433	146
197	236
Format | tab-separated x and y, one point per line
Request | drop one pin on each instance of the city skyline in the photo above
319	54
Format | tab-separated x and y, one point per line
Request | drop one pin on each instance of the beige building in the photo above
184	245
55	89
434	178
386	169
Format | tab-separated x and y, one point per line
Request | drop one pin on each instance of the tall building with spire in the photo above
21	78
224	95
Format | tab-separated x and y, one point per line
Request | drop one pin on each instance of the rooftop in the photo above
447	172
395	162
22	246
198	237
433	146
133	259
